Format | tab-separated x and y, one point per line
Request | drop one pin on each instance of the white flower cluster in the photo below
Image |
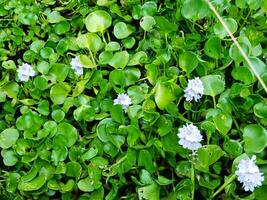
25	71
249	174
190	137
76	65
124	100
194	89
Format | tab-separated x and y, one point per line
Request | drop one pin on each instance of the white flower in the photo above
249	174
124	100
194	89
76	65
25	71
190	137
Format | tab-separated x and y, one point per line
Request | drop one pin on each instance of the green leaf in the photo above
32	185
233	147
207	155
164	125
164	94
85	185
136	94
223	122
145	159
116	114
98	21
62	27
149	192
88	155
112	46
195	9
213	47
10	158
41	83
59	93
11	89
69	132
58	115
259	66
8	137
60	71
149	8
55	17
255	138
133	134
119	60
188	61
213	85
73	169
220	31
147	23
90	41
137	58
260	109
122	30
84	112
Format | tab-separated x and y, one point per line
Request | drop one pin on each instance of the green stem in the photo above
193	180
166	39
108	36
245	20
231	179
92	56
236	124
103	37
216	63
214	101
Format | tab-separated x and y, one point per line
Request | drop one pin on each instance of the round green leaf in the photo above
213	47
220	31
40	82
59	93
122	30
255	138
149	8
84	112
46	52
112	46
8	137
223	122
10	158
32	185
188	61
98	21
90	41
62	27
85	185
11	89
119	60
58	115
164	95
213	84
73	169
207	155
147	23
260	109
69	132
195	9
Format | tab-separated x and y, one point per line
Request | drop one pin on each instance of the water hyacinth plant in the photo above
148	100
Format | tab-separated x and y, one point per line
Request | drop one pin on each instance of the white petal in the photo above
249	174
190	137
194	90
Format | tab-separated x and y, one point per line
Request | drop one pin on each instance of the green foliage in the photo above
62	137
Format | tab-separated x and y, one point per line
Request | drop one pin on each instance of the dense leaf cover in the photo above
62	136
